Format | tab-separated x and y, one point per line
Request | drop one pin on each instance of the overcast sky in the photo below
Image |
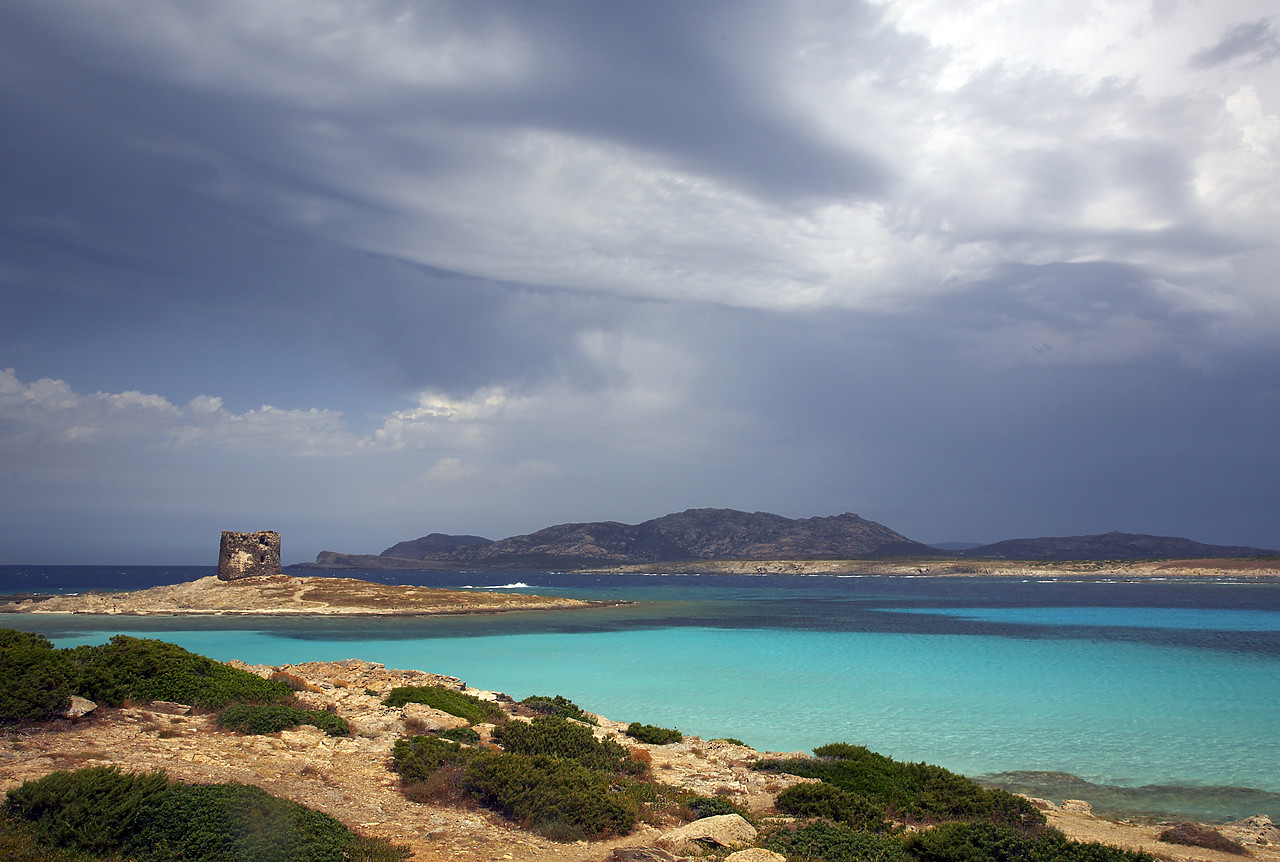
362	271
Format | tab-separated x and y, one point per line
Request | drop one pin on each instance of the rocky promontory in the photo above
285	594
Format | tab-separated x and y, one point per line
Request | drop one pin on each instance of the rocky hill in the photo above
751	540
1108	546
696	534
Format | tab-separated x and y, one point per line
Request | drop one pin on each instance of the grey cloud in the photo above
1255	41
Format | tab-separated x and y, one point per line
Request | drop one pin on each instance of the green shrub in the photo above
711	806
95	809
833	803
416	757
559	737
557	797
653	735
558	706
915	791
821	841
20	843
732	740
129	668
258	719
473	709
239	823
1196	835
460	734
987	842
107	813
38	680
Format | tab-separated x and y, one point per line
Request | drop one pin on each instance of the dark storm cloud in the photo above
1254	41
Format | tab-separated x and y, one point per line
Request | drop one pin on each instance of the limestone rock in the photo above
1076	806
247	555
79	707
755	854
1258	829
723	830
420	718
642	854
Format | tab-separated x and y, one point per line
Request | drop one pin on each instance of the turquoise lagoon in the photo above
1174	684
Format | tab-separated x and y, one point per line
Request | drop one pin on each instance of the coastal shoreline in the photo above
287	595
1227	567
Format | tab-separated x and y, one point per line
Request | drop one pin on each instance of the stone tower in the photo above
245	555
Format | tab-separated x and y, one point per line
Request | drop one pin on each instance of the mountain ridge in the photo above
707	534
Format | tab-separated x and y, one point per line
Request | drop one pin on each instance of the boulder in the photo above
78	707
1258	829
1076	806
420	718
723	830
755	854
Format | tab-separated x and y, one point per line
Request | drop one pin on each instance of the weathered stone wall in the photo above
244	555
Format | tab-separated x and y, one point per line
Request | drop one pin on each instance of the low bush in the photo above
107	813
732	740
833	803
416	757
821	841
988	842
460	734
258	719
559	737
558	706
912	791
20	843
653	735
129	668
38	680
96	809
711	806
1198	835
240	823
473	709
557	797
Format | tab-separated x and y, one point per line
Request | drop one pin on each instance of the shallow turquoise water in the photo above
1118	684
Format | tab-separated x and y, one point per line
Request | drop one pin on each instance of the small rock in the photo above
79	707
1076	806
422	718
168	707
755	854
642	854
723	830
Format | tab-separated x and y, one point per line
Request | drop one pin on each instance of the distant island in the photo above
759	542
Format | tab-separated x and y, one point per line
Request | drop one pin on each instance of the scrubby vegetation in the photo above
857	808
129	668
473	709
460	734
1197	835
258	719
559	737
919	792
102	812
653	735
557	796
821	841
38	680
558	706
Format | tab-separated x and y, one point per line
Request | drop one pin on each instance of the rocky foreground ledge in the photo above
351	778
284	594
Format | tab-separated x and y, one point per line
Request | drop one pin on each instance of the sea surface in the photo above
1154	698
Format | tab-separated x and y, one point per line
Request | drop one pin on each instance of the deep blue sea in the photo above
1120	683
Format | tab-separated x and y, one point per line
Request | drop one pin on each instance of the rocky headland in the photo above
730	541
350	777
285	594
